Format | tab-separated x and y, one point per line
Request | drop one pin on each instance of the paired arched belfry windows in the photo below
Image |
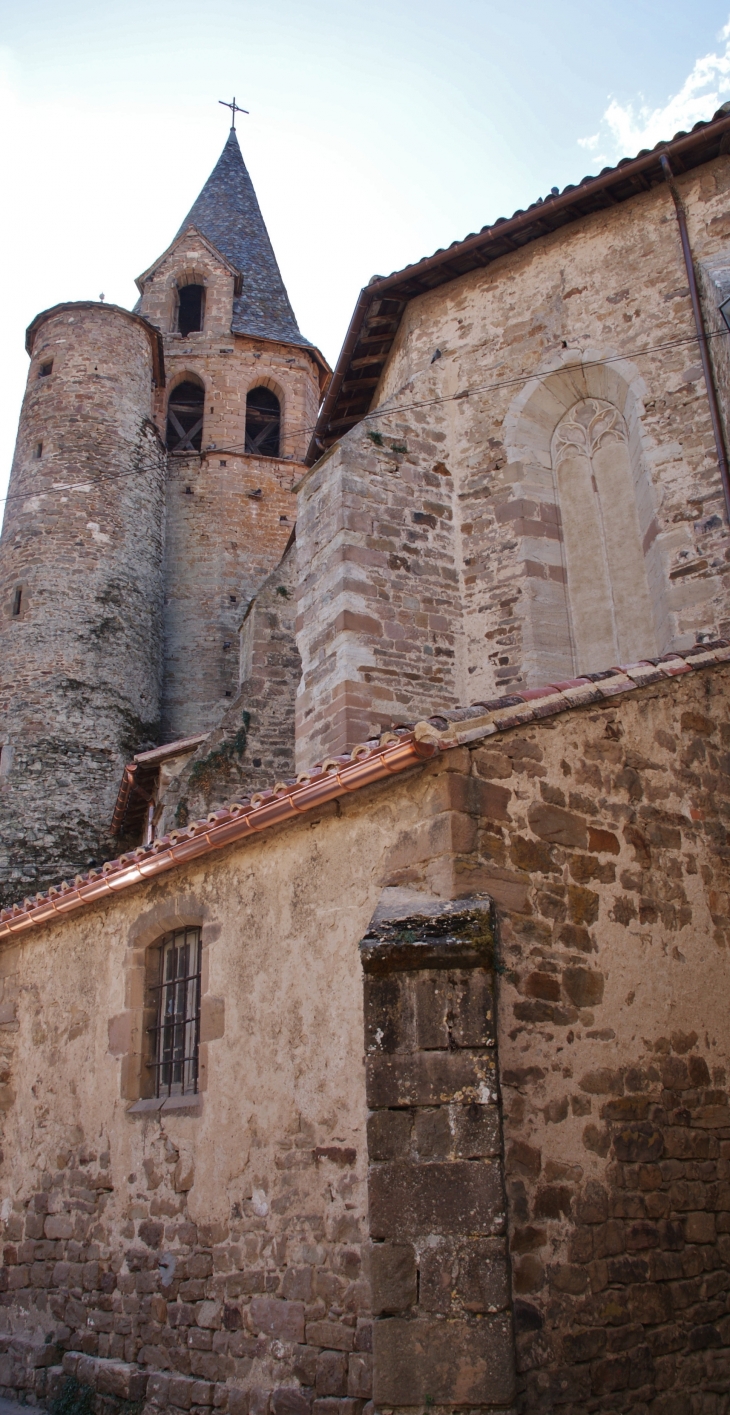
185	417
185	412
263	422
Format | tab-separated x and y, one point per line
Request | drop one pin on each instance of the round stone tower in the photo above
80	589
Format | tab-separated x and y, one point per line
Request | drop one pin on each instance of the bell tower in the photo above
243	388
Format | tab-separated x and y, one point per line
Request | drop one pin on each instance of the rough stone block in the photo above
275	1317
393	1276
238	1401
472	1020
158	1389
118	1378
411	1199
558	826
389	1134
331	1374
433	1133
429	1078
330	1334
360	1375
455	1362
466	1273
432	998
476	1130
287	1400
389	1013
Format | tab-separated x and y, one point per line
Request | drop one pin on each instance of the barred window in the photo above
176	1032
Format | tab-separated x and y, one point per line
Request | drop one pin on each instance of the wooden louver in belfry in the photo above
263	423
185	418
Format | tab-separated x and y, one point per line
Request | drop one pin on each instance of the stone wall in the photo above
229	514
607	855
228	1249
253	746
80	559
228	523
379	621
452	572
442	1334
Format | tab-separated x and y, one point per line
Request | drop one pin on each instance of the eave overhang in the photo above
379	310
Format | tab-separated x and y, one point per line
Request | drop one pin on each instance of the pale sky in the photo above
378	131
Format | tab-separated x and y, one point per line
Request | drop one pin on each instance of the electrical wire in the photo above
518	380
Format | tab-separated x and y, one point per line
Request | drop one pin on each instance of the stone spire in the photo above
228	214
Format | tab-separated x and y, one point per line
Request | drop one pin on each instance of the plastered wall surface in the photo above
80	558
261	1198
601	835
445	558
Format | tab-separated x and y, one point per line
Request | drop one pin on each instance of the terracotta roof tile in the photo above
371	761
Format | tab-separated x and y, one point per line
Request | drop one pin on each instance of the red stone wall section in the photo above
379	609
608	854
443	1329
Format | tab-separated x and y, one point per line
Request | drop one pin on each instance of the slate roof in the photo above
376	760
228	214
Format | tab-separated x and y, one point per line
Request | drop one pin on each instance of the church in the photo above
364	784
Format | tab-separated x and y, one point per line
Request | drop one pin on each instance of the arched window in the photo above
185	417
263	422
191	308
608	590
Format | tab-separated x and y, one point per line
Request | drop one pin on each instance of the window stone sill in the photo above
168	1105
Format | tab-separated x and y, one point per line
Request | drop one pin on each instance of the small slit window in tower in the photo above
176	1032
17	601
38	451
46	369
185	418
191	308
263	423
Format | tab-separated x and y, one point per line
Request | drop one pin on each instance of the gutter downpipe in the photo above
701	333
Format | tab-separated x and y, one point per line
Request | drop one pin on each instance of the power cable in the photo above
383	412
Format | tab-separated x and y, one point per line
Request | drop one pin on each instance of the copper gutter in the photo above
366	764
224	827
701	331
125	790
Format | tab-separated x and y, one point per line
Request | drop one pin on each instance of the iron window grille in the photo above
175	1035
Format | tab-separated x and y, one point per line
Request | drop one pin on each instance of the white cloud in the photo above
627	128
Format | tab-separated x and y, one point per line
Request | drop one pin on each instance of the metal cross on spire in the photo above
234	110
